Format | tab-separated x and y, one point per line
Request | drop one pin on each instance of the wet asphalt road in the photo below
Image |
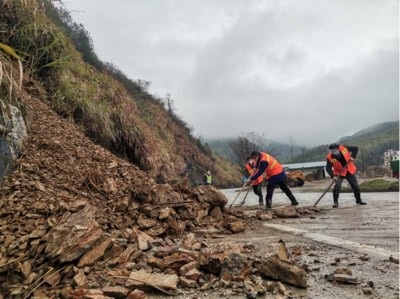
375	224
346	233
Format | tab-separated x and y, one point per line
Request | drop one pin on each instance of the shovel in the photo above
240	191
330	185
244	199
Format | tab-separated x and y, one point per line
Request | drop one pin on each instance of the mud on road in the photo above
361	239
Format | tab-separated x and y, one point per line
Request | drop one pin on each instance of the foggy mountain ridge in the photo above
374	139
372	129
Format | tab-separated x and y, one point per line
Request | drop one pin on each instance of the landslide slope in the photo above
78	222
70	202
121	117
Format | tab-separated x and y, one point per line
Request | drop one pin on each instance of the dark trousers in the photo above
351	178
257	191
283	185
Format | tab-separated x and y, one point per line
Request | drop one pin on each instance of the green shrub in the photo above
379	185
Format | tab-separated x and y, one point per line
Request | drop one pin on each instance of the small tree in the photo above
240	147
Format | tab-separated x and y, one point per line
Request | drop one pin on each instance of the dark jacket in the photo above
341	159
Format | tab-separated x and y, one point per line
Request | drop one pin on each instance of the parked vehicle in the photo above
295	178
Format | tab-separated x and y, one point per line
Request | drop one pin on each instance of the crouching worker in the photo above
275	175
256	183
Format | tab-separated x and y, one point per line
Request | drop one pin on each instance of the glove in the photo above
334	178
248	182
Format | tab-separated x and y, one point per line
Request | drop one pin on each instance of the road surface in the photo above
361	238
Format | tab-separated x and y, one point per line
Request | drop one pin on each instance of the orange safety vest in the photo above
338	167
274	167
251	171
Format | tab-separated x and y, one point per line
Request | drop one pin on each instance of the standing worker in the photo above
338	157
256	183
208	178
275	175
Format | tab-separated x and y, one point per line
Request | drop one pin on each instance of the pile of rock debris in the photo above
78	222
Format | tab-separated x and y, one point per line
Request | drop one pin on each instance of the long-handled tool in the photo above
330	185
240	191
244	199
326	190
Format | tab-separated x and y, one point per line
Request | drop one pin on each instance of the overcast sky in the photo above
316	70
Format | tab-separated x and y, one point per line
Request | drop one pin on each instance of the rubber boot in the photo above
335	200
268	204
293	200
358	199
260	201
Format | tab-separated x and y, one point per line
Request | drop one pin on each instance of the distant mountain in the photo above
281	151
372	141
374	129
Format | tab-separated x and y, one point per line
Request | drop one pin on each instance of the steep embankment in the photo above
136	127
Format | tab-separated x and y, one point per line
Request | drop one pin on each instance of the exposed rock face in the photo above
13	134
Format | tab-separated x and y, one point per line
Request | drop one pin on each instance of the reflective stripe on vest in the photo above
274	167
337	166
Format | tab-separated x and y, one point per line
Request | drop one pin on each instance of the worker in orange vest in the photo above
256	183
275	175
338	158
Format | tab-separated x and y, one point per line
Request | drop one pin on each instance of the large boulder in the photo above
235	267
75	235
210	195
283	270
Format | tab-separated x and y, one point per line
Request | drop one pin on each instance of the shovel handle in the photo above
247	193
240	191
244	199
330	185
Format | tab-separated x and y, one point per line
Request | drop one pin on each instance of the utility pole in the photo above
363	164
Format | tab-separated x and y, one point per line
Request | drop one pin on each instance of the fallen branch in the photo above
164	204
31	291
14	260
43	281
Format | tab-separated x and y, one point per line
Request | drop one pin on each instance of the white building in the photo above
390	155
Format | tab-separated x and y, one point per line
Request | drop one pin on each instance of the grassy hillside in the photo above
114	111
372	142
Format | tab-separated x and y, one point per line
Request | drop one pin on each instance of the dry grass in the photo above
148	136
